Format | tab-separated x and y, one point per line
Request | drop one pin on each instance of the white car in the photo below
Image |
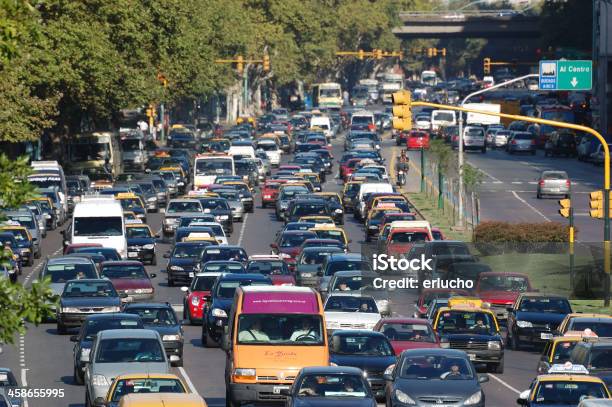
273	151
350	311
217	228
423	122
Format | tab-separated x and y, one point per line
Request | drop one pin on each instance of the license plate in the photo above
132	254
472	356
555	189
191	274
545	335
306	274
277	389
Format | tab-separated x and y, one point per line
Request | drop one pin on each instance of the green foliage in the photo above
14	186
442	154
472	177
494	231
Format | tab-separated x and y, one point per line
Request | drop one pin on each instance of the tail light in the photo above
372	127
533	142
568	183
541	183
513	142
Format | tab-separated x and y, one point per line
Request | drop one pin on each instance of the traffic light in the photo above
266	63
150	112
596	204
434	51
430	52
443	52
487	66
361	54
565	207
379	53
402	111
240	64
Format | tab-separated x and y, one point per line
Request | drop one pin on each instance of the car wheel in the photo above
61	329
30	261
78	378
170	282
228	400
154	260
539	195
499	368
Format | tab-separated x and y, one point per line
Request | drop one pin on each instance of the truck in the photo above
508	106
483	119
390	83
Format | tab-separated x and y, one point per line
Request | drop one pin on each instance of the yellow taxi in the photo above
580	322
25	244
150	383
318	220
129	215
311	177
332	232
468	323
131	202
375	217
49	209
174	168
557	350
563	385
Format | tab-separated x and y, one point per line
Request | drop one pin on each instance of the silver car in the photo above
25	217
554	183
121	351
521	142
362	282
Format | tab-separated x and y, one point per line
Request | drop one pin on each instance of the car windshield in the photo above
191	251
466	322
291	192
503	283
184	206
365	345
138	231
602	329
224	253
123	272
93	326
554	175
26	221
89	152
352	283
408	237
154	315
268	267
332	386
347	265
203	283
128	350
475	133
444	116
563	351
7	379
226	289
446	249
550	305
98	226
330	234
398	331
146	385
351	304
60	273
434	367
315	256
130	144
283	329
89	289
224	267
215	204
295	239
128	204
568	393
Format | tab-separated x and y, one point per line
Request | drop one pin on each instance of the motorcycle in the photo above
401	178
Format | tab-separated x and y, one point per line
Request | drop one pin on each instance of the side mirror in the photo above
100	402
74	338
152	275
166	255
483	378
319	273
184	289
123	295
388	377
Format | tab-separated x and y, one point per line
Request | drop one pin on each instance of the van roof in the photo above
162	400
275	289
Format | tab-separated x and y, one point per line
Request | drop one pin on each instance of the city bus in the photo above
327	95
95	150
551	112
207	167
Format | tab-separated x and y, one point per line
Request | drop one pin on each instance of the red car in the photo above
437	234
196	295
288	245
72	247
428	295
272	266
348	168
501	289
393	216
408	333
417	140
129	277
269	192
401	240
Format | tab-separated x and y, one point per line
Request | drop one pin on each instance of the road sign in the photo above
566	75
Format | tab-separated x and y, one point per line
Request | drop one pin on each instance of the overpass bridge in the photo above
468	24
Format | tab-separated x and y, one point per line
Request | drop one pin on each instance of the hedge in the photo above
493	237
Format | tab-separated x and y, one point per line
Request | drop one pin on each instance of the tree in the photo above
17	303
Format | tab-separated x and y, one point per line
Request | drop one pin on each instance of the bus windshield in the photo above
89	152
213	167
98	226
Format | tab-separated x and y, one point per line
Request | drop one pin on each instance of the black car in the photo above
225	252
325	386
182	261
108	253
306	207
560	143
220	209
534	317
90	327
141	244
596	353
219	303
367	350
160	317
82	297
434	377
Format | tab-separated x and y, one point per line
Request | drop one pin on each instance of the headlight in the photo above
180	184
403	397
170	221
219	313
195	301
111	309
149	246
284	256
152	199
284	205
47	216
494	345
69	310
338	210
24	250
85	353
332	324
244	372
524	324
473	399
99	380
176	268
222	217
171	338
389	369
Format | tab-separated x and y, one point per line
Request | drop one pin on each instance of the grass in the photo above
429	209
590	306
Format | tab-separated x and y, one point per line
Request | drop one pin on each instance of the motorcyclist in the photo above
402	166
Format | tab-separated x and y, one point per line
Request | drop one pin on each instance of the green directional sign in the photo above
566	75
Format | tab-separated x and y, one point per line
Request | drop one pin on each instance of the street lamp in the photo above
460	157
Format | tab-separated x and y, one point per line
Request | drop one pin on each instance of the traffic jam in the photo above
259	236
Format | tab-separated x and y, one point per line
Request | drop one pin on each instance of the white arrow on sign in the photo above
574	82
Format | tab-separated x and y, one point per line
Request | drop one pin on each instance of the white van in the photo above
99	219
272	150
244	151
374	187
46	168
442	118
323	123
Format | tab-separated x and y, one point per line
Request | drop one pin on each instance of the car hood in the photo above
224	303
469	337
307	268
111	370
540	317
366	363
452	388
399	346
164	330
498	297
139	241
125	284
182	262
91	302
282	279
332	402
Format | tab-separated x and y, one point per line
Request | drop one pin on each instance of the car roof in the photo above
344	256
127	333
148	305
357	332
70	259
331	370
113	315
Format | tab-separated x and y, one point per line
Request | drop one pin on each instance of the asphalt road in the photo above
44	359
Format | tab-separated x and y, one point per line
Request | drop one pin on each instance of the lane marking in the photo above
530	206
517	182
503	383
188	380
496	180
242	229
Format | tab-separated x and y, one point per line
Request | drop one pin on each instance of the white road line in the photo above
188	380
242	229
498	181
503	383
533	183
517	182
530	206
